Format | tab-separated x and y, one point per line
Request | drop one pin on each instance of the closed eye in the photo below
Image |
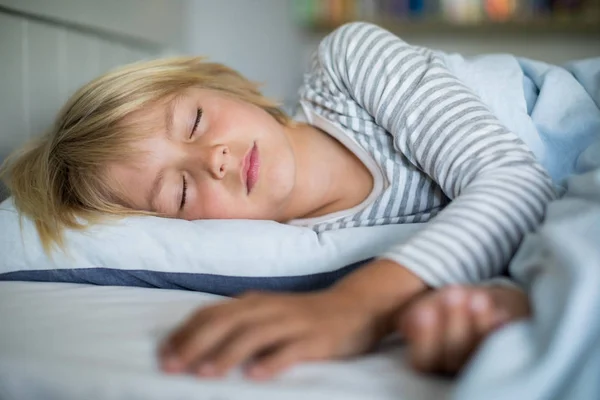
183	194
198	117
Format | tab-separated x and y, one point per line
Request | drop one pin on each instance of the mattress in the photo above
75	341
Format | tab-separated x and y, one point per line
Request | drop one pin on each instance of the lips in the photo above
251	166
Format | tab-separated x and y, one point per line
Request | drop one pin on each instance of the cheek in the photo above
211	204
218	210
214	202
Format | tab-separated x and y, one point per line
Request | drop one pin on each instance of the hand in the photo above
444	328
275	331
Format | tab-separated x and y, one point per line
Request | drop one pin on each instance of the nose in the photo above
218	161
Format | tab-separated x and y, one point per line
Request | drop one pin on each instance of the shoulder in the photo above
354	36
355	31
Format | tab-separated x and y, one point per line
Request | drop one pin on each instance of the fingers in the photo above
460	336
484	318
286	356
215	340
204	333
426	340
250	341
444	328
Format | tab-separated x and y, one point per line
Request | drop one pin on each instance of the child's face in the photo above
237	163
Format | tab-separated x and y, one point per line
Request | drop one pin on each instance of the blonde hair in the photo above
57	180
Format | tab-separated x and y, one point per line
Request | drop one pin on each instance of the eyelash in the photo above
183	194
198	117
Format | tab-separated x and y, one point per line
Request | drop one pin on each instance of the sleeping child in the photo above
384	133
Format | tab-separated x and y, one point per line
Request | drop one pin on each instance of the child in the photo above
384	134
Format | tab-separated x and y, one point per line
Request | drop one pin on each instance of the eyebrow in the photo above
155	189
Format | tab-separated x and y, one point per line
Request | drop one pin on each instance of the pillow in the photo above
223	257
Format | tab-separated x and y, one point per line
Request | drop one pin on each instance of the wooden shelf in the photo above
516	27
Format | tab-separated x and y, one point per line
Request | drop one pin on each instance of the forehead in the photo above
159	114
127	178
152	115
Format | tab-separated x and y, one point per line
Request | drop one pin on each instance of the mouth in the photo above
251	167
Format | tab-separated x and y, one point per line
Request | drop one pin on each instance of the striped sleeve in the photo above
498	190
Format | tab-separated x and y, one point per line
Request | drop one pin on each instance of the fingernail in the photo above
454	297
171	363
206	369
479	302
258	372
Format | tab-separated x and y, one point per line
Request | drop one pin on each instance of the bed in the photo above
72	342
97	339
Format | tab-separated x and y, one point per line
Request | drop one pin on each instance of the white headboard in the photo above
47	52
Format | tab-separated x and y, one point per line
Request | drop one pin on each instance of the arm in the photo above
381	288
498	190
500	193
345	320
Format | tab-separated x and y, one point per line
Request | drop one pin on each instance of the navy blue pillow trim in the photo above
215	284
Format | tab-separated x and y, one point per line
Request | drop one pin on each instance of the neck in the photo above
319	173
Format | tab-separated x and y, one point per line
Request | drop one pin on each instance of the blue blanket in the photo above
563	104
556	354
553	109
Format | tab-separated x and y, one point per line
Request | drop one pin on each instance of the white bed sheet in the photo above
72	342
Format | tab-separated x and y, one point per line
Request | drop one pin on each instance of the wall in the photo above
551	48
149	21
260	39
255	37
46	54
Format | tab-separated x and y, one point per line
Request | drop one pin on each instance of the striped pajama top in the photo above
433	148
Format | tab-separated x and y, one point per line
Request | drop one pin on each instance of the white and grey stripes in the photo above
435	141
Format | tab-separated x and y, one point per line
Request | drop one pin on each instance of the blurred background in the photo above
48	48
272	40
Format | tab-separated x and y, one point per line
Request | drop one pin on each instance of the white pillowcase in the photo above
216	256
